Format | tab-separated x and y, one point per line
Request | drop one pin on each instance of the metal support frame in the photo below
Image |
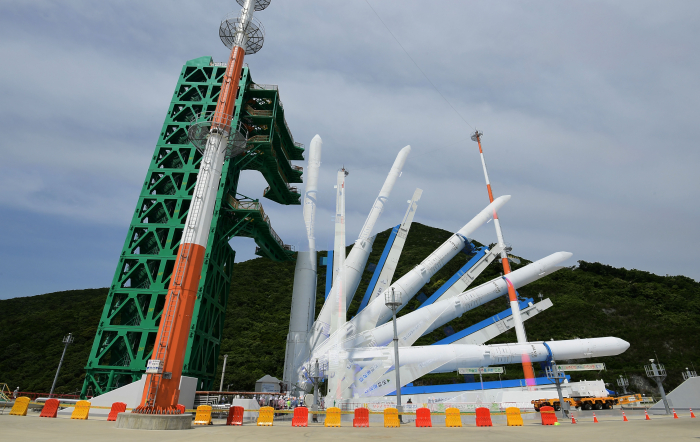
316	377
557	376
329	272
380	266
467	274
687	374
657	372
553	372
393	301
502	320
623	382
127	330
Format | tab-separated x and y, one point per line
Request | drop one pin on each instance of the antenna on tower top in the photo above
476	136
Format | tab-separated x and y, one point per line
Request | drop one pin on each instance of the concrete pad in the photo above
131	394
133	421
33	428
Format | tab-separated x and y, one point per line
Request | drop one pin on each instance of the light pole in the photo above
67	340
223	370
393	301
658	373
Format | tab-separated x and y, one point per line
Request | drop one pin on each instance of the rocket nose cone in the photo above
622	344
317	139
502	199
563	256
401	159
611	346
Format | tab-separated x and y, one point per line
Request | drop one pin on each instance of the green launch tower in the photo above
127	329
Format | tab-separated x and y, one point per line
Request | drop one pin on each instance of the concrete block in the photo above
134	421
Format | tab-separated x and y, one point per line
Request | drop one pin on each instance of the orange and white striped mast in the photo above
512	295
213	135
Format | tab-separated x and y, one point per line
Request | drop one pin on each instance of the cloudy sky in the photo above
589	111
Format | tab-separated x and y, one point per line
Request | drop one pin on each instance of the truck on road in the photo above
583	403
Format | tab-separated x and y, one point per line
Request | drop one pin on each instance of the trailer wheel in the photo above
557	407
586	406
598	406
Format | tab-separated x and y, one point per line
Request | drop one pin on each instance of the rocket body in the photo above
376	311
408	285
418	361
336	298
413	325
356	260
384	193
305	275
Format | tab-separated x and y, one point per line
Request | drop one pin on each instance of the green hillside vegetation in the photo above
658	315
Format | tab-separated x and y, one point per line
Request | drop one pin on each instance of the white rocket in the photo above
418	361
336	299
376	312
304	292
357	258
408	285
413	325
392	260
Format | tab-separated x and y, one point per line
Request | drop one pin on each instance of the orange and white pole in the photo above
512	295
162	388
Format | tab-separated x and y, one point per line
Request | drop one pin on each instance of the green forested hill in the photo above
656	314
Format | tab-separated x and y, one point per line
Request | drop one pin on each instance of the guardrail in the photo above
258	112
256	206
264	87
34	395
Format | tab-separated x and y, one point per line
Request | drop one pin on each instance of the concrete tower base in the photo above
134	421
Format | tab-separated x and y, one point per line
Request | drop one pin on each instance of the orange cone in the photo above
675	416
624	418
692	415
646	415
573	419
595	419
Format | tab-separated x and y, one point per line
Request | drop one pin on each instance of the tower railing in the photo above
256	206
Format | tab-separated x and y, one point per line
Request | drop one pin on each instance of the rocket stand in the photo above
623	383
314	407
393	301
658	373
554	373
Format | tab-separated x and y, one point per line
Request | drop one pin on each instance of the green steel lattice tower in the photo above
127	329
